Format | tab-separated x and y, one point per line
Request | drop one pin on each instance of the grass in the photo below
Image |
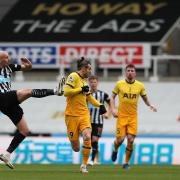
99	172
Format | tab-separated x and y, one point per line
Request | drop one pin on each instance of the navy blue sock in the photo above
39	93
94	150
18	138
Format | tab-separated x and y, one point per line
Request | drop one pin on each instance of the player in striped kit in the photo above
97	120
10	100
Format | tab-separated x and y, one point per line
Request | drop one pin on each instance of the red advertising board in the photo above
108	55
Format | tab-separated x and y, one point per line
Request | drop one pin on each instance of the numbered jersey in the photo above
128	94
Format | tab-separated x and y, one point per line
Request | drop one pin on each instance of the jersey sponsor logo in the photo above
71	79
130	96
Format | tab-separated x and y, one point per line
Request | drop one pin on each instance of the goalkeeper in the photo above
77	116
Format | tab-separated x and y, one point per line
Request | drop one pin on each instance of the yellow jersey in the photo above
76	104
128	94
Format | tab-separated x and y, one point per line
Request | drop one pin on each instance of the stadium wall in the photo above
57	150
46	115
158	141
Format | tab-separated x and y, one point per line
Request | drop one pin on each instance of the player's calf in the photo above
114	156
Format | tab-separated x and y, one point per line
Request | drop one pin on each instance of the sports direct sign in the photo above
109	55
41	55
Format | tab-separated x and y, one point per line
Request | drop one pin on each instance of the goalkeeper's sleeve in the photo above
93	101
69	91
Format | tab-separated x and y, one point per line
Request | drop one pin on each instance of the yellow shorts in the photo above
126	125
76	124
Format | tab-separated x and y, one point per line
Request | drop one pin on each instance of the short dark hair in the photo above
130	66
82	62
92	77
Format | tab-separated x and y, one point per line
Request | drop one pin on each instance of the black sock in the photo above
18	138
94	150
38	93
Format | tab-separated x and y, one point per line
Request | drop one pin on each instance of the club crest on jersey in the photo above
129	96
71	79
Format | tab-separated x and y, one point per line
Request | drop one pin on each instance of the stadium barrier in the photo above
46	115
154	78
57	150
158	58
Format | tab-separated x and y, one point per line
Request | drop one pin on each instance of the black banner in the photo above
89	21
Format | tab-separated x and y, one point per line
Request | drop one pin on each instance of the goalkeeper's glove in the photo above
85	88
102	109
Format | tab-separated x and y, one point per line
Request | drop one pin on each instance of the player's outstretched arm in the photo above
146	101
26	64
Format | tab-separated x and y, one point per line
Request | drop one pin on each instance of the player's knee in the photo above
75	147
130	140
129	146
86	134
120	140
25	132
24	92
87	137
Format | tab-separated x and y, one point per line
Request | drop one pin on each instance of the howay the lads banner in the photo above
89	21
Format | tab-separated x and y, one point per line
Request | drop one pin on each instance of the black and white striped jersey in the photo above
5	76
102	97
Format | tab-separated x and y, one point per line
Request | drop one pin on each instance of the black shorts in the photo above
97	129
9	105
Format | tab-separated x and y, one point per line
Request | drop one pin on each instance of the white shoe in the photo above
83	169
97	163
91	163
5	157
59	90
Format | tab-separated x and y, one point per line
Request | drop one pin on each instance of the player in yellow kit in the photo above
77	116
128	91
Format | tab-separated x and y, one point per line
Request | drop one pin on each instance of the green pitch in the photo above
98	172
